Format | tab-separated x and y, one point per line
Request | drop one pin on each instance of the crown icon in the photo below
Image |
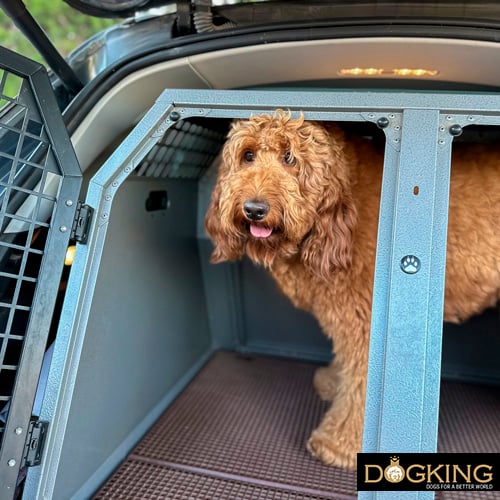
394	460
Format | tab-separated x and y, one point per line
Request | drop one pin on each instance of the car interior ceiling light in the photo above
418	72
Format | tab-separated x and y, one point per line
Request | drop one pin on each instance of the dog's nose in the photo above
255	209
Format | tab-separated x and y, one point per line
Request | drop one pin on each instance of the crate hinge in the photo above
33	449
81	223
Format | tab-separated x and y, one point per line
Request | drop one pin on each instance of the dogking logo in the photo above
394	473
428	471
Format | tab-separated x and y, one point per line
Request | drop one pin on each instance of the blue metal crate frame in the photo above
404	368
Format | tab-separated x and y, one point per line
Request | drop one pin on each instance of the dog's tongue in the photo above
260	231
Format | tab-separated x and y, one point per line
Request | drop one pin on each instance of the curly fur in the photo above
323	196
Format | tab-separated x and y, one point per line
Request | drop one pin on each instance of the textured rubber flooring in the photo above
238	431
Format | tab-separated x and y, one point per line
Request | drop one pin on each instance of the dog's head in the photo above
283	190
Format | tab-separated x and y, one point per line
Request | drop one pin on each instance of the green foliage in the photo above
66	27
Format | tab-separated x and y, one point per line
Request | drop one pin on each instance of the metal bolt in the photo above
410	264
382	122
18	430
456	130
11	462
174	116
63	229
69	203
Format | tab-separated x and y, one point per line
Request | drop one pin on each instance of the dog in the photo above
301	199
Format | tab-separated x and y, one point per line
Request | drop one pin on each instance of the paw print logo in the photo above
410	264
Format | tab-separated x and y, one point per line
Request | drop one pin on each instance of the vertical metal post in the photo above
405	345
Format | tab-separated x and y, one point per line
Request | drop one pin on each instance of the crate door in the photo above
39	184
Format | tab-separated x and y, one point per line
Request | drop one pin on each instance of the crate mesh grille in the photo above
29	180
185	151
239	431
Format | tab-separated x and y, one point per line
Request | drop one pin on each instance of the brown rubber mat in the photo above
238	431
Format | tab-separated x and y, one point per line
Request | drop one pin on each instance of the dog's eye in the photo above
249	156
289	159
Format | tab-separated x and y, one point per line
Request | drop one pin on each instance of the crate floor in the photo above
238	431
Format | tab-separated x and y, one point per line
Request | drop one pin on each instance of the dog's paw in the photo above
332	452
326	383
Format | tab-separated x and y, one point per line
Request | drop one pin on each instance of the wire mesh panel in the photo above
185	151
33	148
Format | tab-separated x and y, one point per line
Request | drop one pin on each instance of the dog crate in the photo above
210	364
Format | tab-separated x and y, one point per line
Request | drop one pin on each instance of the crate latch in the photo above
81	223
37	432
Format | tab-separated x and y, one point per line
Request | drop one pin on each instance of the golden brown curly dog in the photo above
298	198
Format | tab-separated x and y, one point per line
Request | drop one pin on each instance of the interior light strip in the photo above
418	72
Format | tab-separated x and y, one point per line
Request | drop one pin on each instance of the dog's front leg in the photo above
338	438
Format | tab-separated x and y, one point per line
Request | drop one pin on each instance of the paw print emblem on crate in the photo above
410	264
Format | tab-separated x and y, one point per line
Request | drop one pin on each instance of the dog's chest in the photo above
299	284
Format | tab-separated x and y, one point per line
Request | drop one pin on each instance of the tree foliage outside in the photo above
66	27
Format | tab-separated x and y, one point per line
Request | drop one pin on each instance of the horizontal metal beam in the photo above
321	103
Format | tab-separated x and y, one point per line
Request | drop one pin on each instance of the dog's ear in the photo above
227	244
328	247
